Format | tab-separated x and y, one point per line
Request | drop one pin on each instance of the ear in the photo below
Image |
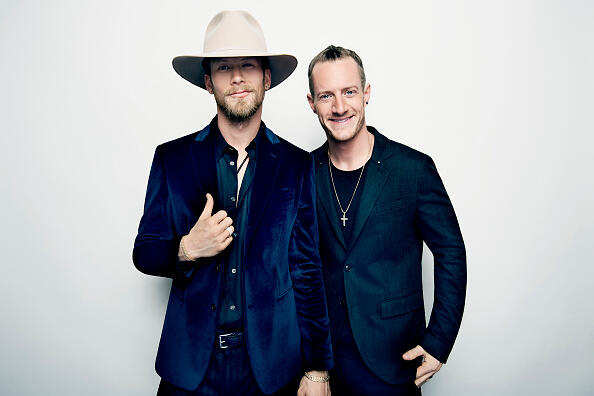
267	79
367	93
208	83
311	103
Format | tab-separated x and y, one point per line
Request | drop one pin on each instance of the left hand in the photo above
311	388
426	370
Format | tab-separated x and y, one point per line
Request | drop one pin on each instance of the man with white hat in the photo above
229	215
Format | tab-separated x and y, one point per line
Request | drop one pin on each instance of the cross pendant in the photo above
344	219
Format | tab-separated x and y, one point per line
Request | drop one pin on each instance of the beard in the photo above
240	110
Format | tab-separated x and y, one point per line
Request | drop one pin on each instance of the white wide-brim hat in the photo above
234	34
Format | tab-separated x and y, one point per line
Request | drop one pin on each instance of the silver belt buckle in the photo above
221	341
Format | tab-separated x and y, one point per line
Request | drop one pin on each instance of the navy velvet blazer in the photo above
286	319
402	203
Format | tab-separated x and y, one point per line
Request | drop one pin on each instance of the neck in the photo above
239	135
354	153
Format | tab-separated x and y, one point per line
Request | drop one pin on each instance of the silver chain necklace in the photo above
344	211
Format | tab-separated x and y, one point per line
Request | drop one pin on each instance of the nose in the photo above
236	76
338	107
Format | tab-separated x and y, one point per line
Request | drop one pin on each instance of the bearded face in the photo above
238	85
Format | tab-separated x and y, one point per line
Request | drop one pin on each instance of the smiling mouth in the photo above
341	120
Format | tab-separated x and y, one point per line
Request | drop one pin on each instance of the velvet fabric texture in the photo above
286	320
403	202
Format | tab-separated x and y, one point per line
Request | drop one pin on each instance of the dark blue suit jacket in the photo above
402	203
285	308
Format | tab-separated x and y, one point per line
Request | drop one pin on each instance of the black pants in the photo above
228	374
352	377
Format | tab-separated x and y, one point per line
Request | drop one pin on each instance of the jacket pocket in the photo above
383	207
284	283
283	292
402	305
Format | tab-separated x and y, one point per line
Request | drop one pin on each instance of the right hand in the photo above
211	234
310	388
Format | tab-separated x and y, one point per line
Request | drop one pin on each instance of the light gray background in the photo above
499	93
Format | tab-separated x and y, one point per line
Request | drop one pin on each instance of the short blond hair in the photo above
332	53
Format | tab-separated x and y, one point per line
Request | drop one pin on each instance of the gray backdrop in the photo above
499	93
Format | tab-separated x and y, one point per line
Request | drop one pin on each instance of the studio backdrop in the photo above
498	93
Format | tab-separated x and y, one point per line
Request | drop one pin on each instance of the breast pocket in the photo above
393	206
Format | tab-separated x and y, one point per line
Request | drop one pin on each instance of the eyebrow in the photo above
341	89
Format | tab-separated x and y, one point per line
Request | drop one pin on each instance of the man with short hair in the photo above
230	216
378	201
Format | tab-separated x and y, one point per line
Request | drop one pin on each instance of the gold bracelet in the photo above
184	251
316	378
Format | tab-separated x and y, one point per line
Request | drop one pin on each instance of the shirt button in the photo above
347	268
213	307
218	267
342	301
232	307
233	270
232	199
232	163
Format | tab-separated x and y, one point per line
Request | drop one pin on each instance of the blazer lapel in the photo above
325	192
205	170
377	175
263	183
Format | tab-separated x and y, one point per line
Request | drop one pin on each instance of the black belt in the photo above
230	340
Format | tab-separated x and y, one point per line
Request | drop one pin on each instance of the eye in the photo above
248	65
324	97
223	67
350	92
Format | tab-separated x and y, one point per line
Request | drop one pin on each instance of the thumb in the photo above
413	353
207	211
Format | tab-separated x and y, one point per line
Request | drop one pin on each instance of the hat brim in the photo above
190	67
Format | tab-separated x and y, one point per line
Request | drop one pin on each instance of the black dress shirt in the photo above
230	261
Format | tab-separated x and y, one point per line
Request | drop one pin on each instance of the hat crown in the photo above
232	34
234	30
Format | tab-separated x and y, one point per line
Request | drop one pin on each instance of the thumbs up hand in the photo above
210	235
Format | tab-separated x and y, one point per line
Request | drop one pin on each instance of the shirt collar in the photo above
221	145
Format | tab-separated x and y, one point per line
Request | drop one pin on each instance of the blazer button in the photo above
213	307
348	268
218	267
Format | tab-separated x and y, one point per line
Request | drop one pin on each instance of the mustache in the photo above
238	89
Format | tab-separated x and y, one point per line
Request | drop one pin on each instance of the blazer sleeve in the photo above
156	245
306	274
438	227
